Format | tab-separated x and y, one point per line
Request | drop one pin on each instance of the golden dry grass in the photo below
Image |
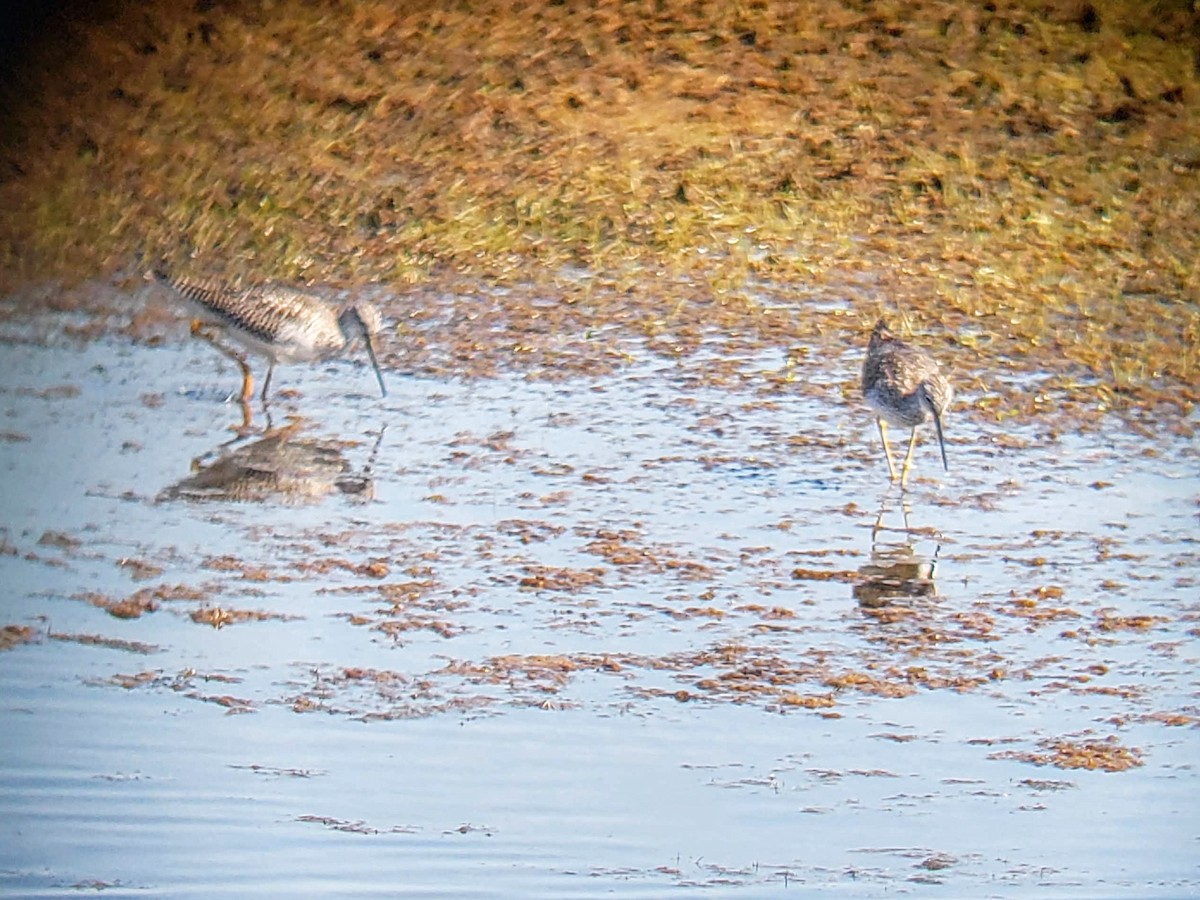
1025	173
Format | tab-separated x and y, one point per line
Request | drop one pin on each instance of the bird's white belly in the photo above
906	413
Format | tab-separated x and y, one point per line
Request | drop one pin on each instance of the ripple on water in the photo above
558	638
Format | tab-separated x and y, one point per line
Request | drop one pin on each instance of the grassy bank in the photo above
1025	173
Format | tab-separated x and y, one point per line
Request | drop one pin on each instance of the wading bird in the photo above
906	388
278	322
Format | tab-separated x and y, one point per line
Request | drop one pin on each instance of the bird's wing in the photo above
261	311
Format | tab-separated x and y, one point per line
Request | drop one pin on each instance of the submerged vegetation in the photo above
1026	174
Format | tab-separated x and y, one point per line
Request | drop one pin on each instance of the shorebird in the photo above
906	388
278	322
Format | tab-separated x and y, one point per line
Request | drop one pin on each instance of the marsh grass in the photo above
1030	170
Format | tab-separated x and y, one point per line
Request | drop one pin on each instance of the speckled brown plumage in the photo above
279	322
906	388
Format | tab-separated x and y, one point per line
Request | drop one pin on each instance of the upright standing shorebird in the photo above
905	387
275	321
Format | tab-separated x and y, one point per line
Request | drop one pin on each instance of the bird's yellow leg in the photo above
912	443
205	334
887	451
247	418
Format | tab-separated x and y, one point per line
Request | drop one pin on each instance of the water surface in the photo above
631	635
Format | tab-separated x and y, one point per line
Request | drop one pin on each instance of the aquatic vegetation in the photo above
1023	174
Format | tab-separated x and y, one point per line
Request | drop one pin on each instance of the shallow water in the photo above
625	635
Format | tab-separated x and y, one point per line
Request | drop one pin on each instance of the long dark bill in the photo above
925	398
375	364
937	426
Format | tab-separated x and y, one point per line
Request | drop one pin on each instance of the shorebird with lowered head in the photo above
281	323
906	388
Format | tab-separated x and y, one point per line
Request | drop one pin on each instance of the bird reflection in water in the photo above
280	466
896	572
